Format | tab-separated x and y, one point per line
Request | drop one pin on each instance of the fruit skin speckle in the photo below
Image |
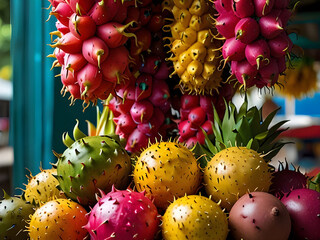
259	215
233	172
194	217
167	170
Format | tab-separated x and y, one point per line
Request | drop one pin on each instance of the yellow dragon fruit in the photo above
195	51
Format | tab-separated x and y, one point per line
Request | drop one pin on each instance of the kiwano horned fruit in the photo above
256	41
166	170
59	219
42	187
195	52
123	215
14	213
233	172
259	215
304	209
285	180
92	163
194	217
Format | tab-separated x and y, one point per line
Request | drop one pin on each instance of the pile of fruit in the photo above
170	157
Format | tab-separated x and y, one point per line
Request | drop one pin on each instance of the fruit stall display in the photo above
170	156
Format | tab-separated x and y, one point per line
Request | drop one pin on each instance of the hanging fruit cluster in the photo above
195	51
89	47
299	81
156	66
257	44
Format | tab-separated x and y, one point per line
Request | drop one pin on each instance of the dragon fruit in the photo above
196	114
14	213
91	163
194	50
259	215
256	40
142	106
123	215
304	209
166	170
58	219
285	180
82	28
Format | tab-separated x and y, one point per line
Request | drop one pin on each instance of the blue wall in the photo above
39	114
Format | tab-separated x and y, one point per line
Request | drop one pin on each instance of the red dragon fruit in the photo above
285	180
255	32
123	215
142	102
304	209
140	110
196	114
92	61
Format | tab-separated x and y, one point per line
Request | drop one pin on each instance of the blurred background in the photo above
33	114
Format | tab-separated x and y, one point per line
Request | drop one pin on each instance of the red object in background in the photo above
4	124
312	132
313	172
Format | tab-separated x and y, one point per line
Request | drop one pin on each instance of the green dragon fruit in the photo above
123	215
14	212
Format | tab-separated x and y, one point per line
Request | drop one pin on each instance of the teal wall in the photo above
39	114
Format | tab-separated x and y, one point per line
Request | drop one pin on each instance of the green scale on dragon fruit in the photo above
256	42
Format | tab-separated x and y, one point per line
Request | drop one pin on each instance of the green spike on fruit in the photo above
77	133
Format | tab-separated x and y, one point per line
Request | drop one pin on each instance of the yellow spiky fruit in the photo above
300	81
195	51
194	217
42	187
166	170
233	172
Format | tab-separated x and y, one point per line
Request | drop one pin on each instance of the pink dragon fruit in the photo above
140	110
196	114
304	208
94	60
255	33
142	103
123	215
